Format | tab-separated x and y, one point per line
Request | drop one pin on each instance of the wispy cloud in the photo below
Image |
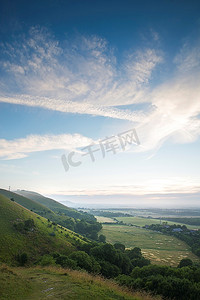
84	77
20	148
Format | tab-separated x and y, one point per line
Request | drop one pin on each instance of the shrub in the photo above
185	262
47	260
22	259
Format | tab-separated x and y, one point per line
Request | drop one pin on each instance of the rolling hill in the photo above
80	222
27	202
23	231
55	205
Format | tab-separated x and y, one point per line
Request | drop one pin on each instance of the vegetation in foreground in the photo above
182	283
56	283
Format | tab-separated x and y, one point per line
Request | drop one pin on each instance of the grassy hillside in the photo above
39	209
82	223
159	248
54	283
55	206
26	202
35	240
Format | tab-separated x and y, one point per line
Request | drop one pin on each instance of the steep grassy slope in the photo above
55	206
39	209
82	223
26	202
54	283
41	238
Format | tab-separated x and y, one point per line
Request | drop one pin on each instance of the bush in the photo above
84	261
47	260
119	246
66	262
102	238
22	259
185	262
52	234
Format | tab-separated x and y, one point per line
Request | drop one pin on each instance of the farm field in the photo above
139	221
160	249
104	219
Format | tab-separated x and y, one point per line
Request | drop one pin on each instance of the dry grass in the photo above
84	277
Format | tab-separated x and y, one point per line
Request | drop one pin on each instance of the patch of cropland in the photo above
105	220
82	223
54	283
25	236
154	213
108	214
142	221
159	248
189	221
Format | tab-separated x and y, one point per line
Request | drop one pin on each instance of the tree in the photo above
134	253
102	238
84	261
106	252
140	262
109	270
119	246
185	262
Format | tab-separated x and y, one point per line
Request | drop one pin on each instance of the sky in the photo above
100	101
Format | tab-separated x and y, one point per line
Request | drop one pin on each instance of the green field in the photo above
104	219
54	283
139	221
159	248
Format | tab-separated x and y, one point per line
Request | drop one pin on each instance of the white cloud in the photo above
84	77
84	71
20	148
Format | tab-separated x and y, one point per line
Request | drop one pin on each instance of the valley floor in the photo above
159	248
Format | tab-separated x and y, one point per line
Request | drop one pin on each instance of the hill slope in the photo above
55	205
26	202
37	237
79	222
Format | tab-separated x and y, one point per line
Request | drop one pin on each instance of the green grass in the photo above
159	248
104	219
35	243
53	205
54	283
25	202
148	221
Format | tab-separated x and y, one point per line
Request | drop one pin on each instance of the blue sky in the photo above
73	73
